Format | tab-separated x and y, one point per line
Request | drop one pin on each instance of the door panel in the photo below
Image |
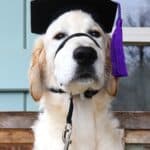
13	58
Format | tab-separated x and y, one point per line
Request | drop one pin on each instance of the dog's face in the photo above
72	55
79	63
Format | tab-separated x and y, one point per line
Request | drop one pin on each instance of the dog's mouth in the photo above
83	81
85	74
84	78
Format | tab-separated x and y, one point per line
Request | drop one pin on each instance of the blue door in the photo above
15	52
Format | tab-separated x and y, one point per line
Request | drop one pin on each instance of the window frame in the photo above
136	36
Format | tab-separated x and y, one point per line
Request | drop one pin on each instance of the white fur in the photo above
94	127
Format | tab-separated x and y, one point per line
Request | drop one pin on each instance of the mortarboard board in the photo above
43	12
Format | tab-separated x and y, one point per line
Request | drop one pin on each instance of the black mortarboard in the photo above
43	12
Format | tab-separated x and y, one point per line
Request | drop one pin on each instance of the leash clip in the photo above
66	137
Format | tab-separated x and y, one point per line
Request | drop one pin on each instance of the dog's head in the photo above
73	55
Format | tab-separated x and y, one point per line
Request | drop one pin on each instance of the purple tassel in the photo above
117	53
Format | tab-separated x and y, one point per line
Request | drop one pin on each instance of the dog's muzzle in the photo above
85	57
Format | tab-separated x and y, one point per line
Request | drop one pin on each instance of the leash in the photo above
66	136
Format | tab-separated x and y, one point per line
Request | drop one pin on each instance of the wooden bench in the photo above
16	134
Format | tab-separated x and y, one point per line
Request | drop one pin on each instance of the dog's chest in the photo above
92	129
84	134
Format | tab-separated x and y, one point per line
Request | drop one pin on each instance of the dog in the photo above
74	57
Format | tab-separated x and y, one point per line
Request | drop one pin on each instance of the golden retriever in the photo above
74	57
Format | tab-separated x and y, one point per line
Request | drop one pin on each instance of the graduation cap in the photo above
43	12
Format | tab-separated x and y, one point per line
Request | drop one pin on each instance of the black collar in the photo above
87	94
90	93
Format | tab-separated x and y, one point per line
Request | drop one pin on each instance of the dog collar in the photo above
87	94
66	136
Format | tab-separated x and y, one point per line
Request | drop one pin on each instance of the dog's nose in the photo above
85	55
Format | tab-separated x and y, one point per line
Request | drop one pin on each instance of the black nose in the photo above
85	55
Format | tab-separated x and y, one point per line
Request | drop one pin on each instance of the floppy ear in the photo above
112	86
36	70
110	80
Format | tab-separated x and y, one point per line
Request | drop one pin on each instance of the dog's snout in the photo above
85	55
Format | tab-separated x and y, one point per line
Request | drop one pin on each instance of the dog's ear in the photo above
112	86
111	81
36	69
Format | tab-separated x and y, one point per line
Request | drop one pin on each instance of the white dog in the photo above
73	55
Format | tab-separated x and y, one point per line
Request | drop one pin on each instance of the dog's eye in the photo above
60	36
94	33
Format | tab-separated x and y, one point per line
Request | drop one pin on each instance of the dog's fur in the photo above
94	127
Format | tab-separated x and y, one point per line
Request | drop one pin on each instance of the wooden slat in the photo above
128	120
136	36
25	137
137	137
16	146
16	136
17	119
134	120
